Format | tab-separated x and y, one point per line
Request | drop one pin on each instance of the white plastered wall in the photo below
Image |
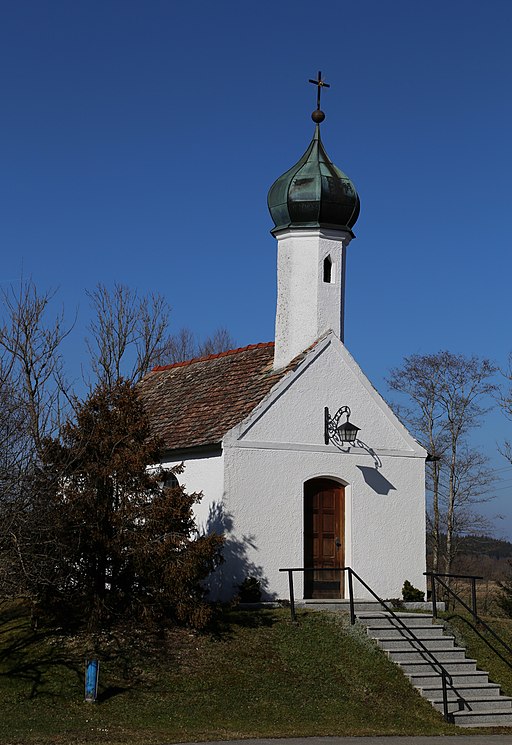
307	307
270	456
204	472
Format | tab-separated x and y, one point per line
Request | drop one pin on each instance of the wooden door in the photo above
324	537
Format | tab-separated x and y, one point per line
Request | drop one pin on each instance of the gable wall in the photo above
270	456
297	414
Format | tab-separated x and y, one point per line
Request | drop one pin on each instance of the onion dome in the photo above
314	192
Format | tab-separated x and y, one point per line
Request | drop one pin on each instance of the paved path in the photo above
388	740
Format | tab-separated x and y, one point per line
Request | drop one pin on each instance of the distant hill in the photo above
483	545
483	556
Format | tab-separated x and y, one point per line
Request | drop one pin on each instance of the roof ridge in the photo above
206	358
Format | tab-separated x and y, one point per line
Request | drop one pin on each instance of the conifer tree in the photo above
119	544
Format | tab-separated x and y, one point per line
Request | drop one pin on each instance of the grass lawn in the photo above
257	675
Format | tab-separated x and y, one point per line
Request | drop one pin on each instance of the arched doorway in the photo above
324	538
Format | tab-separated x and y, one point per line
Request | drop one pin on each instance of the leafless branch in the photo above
31	357
447	397
126	333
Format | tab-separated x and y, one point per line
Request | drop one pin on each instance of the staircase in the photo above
472	700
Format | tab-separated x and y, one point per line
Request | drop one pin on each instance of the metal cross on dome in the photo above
321	84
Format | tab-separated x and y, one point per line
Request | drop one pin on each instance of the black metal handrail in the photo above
436	577
446	678
472	577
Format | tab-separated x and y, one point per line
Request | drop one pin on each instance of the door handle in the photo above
337	542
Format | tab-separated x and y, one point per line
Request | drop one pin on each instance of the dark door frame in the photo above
329	585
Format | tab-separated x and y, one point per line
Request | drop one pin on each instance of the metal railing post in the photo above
446	713
292	595
473	596
434	595
351	597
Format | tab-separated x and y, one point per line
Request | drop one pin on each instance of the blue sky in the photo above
139	140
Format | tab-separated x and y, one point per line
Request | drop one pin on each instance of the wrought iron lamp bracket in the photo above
332	425
344	436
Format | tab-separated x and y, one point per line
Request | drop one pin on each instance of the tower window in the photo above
328	273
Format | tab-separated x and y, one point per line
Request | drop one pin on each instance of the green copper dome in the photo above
313	193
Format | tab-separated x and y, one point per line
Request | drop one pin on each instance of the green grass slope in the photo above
258	675
478	642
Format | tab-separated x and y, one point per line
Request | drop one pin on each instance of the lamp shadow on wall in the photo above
376	480
237	566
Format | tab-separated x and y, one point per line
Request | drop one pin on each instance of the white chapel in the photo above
300	461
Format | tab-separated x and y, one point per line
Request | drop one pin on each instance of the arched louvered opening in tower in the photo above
328	270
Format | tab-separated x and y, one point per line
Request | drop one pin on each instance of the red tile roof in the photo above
196	402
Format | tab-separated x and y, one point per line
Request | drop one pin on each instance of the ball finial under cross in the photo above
318	116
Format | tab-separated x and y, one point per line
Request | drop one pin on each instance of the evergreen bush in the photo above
411	594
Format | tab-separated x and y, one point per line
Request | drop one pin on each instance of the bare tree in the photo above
14	429
16	451
185	346
505	401
472	484
127	333
448	395
220	341
420	379
31	357
177	348
33	401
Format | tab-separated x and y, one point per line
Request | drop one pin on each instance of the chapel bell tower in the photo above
314	207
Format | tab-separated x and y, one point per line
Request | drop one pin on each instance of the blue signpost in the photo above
92	671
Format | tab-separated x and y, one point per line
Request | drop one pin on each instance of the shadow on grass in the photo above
228	619
22	639
110	692
49	663
44	663
38	674
9	629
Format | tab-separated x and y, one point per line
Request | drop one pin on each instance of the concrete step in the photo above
483	718
402	644
500	703
451	666
446	654
431	679
472	700
465	691
380	618
423	631
361	605
339	606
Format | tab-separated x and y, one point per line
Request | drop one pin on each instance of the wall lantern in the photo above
339	433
